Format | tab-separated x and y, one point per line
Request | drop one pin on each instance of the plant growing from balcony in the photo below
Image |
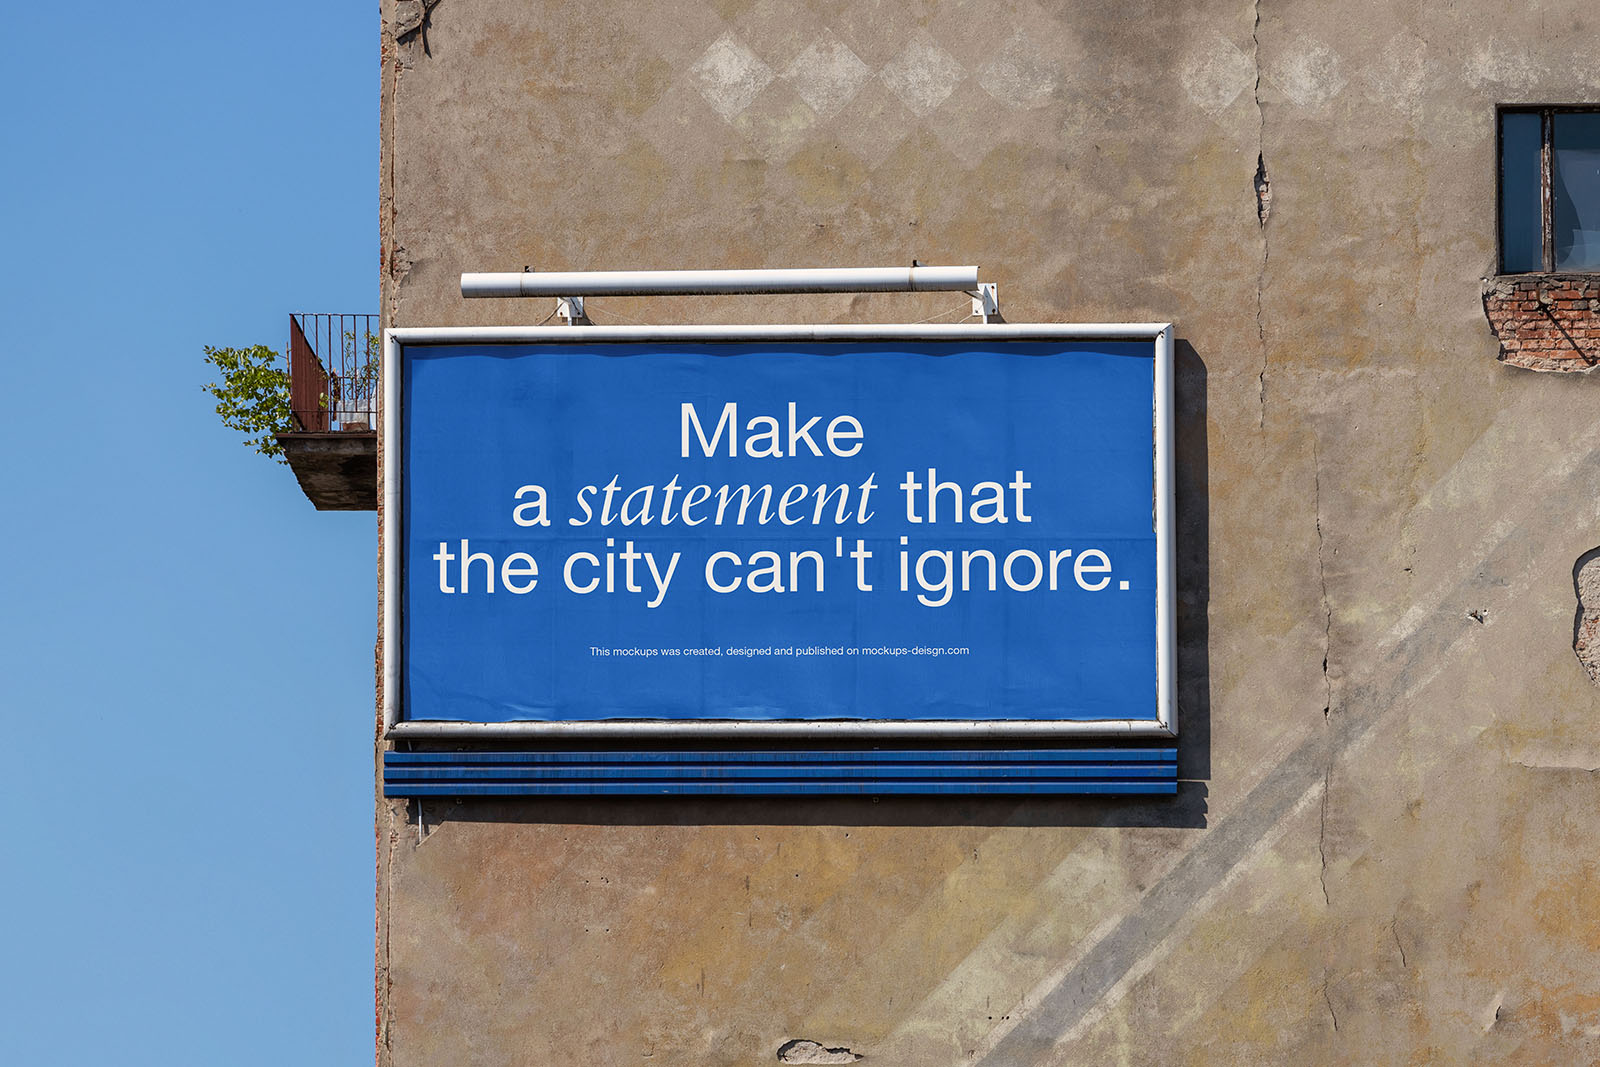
362	363
253	395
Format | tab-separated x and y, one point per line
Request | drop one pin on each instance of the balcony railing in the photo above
334	363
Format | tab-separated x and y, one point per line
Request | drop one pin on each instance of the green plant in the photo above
253	396
370	362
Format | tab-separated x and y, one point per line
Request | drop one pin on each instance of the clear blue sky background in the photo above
185	644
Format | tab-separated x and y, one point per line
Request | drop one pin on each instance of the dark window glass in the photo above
1521	212
1575	189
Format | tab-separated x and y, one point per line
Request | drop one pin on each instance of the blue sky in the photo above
185	644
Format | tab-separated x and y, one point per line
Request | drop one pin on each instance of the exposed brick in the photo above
1546	323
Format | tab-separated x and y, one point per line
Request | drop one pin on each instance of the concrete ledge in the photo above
337	471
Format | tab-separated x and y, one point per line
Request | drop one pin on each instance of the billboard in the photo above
829	531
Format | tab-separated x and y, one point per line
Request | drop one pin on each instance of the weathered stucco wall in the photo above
1385	849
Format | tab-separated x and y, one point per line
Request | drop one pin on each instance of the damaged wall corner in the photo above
1586	628
1545	322
412	19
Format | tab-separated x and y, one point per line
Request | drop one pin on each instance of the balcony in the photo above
334	391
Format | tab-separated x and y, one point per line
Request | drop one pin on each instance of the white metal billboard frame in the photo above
1163	726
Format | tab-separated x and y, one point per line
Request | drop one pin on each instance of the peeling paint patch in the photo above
730	76
1398	76
1498	64
827	75
399	264
1309	75
1549	758
1491	1014
1213	79
923	75
1021	75
801	1050
414	18
1586	636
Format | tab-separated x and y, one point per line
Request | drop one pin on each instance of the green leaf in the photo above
253	396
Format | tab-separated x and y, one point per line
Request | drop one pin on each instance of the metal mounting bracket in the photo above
569	309
986	302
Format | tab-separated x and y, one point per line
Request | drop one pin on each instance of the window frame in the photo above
1547	114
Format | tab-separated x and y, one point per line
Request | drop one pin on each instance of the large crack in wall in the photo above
1262	186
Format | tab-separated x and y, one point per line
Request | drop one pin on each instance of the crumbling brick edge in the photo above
1545	322
1586	627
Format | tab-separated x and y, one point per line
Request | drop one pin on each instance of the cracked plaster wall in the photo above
1381	851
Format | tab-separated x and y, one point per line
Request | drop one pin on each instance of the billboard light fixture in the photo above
571	287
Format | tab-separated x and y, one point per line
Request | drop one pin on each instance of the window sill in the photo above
1545	322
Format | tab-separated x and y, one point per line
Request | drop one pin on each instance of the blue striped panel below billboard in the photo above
1103	771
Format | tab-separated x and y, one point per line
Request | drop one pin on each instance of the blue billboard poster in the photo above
962	530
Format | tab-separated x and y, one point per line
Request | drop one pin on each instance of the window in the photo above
1549	189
